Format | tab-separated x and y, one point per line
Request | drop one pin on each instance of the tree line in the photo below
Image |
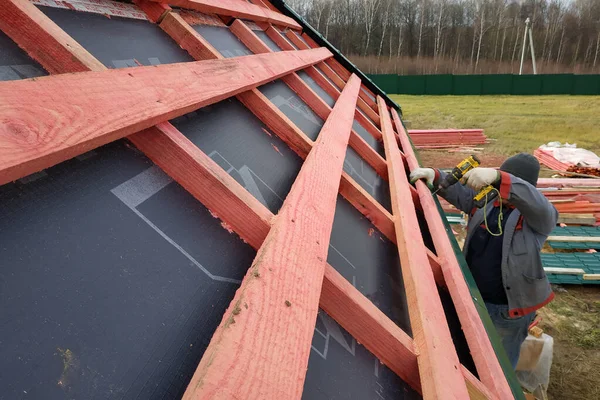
459	36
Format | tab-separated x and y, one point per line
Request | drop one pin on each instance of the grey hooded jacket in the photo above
527	228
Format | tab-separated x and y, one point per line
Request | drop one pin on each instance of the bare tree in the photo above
370	8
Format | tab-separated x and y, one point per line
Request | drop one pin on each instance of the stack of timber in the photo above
547	158
446	138
208	201
577	200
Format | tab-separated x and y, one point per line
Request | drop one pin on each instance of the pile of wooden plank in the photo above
446	138
576	203
548	159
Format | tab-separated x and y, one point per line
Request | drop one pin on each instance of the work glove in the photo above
479	178
423	173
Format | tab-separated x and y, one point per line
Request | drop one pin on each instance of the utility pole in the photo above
528	32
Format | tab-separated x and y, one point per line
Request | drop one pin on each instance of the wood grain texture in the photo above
235	9
266	4
51	119
205	180
188	38
331	74
368	125
314	101
477	390
367	152
318	77
43	40
155	11
441	376
261	348
248	37
487	365
278	122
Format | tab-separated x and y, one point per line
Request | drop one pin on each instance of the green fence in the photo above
488	84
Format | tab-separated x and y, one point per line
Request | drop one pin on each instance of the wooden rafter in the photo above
488	367
29	141
155	11
270	307
235	9
441	376
314	101
329	87
342	72
362	105
43	40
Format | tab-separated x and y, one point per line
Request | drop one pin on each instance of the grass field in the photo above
522	124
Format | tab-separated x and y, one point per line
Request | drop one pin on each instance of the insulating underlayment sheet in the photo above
113	277
15	63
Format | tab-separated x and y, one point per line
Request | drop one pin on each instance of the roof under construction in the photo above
205	199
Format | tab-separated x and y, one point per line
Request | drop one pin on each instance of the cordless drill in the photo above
469	163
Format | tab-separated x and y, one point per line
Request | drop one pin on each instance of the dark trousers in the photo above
512	331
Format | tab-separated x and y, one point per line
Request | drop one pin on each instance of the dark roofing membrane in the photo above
114	278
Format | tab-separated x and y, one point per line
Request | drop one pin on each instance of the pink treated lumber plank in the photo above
314	101
43	40
331	74
235	9
342	72
188	38
441	376
487	364
262	346
363	320
51	119
155	11
198	174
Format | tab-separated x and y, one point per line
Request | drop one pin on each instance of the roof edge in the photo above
321	40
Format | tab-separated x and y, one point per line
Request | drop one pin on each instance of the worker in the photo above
503	253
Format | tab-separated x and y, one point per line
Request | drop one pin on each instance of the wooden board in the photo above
576	239
577	219
155	11
489	368
187	38
49	120
564	271
441	376
235	9
591	277
43	40
270	307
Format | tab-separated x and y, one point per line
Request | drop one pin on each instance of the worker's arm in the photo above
458	195
537	211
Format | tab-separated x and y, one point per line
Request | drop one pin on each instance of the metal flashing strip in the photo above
104	7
